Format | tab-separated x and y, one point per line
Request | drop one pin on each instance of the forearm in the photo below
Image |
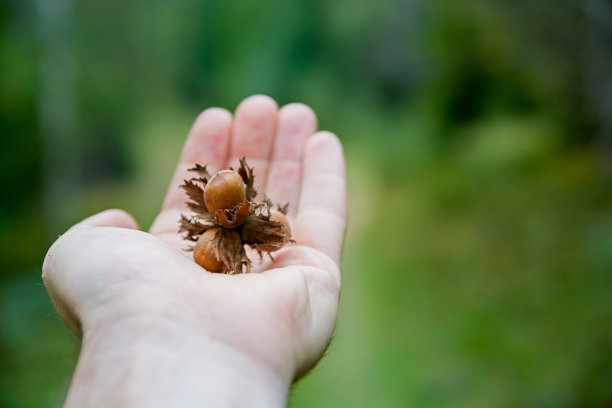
140	363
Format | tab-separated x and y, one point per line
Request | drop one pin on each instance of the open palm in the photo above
105	272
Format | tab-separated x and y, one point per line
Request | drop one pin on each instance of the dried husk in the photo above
234	217
192	228
248	177
264	234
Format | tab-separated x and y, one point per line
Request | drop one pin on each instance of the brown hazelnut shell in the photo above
220	250
225	191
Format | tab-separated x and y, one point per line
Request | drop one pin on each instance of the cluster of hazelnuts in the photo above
226	218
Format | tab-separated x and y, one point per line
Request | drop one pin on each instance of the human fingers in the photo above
207	143
321	219
295	123
253	135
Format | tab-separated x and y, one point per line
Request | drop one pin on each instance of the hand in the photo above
157	329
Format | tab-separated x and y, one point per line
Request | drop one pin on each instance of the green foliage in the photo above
478	256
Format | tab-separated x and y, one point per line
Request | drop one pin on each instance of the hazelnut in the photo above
203	253
226	200
220	250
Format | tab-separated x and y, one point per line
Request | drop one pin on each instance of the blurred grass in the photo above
38	352
478	265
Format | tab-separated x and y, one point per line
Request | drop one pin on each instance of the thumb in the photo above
54	277
109	218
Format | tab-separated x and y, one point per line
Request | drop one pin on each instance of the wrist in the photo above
145	360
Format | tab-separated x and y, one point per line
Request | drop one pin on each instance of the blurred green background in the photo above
478	134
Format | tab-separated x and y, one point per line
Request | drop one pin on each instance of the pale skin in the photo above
158	330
